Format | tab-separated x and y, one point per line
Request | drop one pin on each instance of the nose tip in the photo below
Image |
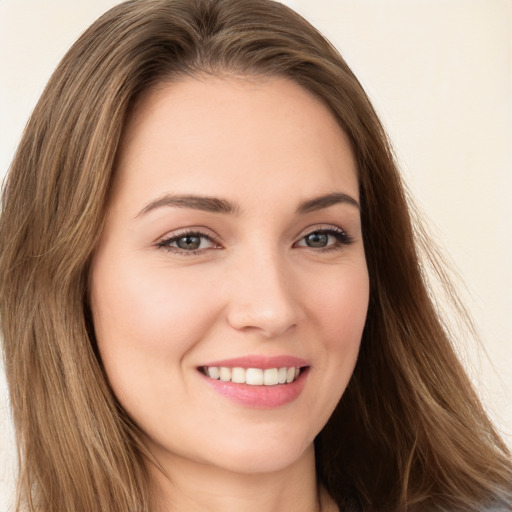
265	304
267	320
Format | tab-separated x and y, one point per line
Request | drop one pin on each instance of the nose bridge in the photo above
262	295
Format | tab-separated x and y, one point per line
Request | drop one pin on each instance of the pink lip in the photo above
260	397
255	361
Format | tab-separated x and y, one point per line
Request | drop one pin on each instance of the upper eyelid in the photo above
321	227
165	243
194	230
342	236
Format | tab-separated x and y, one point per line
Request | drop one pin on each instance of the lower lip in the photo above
260	397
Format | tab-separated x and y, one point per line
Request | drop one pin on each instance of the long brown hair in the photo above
408	434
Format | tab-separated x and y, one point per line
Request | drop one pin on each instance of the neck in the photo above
182	485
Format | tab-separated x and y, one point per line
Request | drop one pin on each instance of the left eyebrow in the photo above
321	202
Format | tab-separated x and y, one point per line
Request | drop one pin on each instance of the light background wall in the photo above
440	75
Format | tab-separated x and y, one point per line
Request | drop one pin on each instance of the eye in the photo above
325	238
188	242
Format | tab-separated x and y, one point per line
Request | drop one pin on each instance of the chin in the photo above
265	456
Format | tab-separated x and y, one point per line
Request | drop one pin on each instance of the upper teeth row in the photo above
254	376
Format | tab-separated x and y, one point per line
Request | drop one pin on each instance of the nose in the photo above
263	297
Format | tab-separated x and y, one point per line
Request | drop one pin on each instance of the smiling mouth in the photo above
254	376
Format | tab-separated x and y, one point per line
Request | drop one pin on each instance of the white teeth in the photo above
213	372
253	376
225	374
238	375
270	377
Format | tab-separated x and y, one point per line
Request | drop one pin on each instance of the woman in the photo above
203	229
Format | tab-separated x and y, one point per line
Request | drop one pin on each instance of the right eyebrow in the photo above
204	203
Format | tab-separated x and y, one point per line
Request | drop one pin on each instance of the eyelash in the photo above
165	243
341	237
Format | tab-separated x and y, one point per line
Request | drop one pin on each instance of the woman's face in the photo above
231	260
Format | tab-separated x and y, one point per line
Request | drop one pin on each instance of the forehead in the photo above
211	132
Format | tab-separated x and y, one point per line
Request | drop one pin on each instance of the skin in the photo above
255	285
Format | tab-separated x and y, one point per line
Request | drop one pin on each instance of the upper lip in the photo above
257	361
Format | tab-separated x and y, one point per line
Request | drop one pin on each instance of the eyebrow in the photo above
217	205
204	203
321	202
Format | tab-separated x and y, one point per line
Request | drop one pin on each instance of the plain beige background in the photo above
440	75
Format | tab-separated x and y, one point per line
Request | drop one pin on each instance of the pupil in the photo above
317	240
189	242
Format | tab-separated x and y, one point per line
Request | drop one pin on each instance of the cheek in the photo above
147	299
340	306
340	314
146	316
338	309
